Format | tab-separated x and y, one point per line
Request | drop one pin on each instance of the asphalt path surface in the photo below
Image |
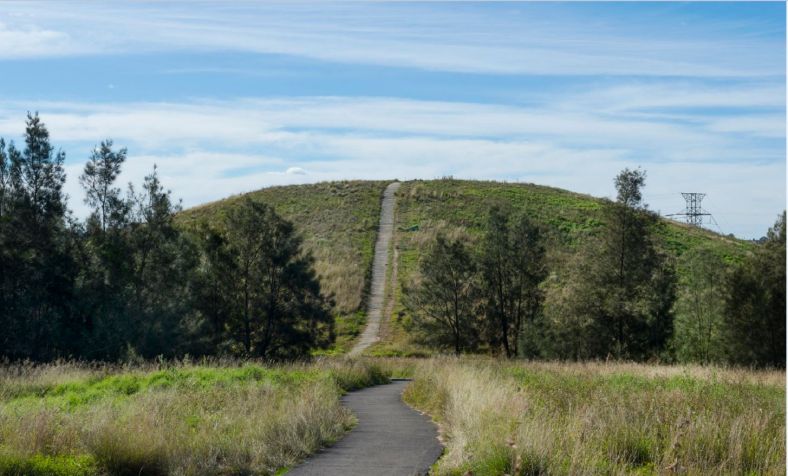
391	439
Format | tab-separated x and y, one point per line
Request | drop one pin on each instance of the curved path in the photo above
391	439
379	265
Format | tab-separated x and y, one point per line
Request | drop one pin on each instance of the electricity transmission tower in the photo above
694	212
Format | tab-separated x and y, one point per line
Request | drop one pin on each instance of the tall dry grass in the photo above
597	418
181	420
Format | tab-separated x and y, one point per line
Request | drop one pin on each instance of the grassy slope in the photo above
459	206
338	221
424	206
69	419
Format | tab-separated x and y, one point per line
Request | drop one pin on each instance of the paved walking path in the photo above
379	265
391	439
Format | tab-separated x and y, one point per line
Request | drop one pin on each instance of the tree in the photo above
512	266
623	287
37	269
42	175
628	187
129	281
162	261
639	288
282	312
98	180
755	304
106	270
699	307
443	302
571	304
10	258
216	295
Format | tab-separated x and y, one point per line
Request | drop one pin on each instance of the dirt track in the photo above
379	266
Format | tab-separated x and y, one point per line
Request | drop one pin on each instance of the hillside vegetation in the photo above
568	217
460	209
338	221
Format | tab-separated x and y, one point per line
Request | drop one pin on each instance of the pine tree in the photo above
755	304
444	301
282	311
215	290
98	179
623	287
106	270
699	308
38	274
162	262
512	266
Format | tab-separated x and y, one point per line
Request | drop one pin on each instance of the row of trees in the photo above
465	300
128	281
619	295
734	313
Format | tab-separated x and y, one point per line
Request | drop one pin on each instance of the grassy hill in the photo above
462	207
338	221
567	217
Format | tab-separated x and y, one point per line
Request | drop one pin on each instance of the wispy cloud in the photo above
515	39
207	150
33	41
621	122
227	98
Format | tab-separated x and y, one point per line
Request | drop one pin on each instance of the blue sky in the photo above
232	98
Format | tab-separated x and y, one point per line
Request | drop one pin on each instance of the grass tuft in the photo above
157	419
502	417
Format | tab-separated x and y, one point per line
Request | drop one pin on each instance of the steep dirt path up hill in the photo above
379	265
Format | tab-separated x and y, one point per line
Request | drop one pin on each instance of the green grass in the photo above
461	207
41	465
554	418
338	221
127	384
425	207
496	417
213	418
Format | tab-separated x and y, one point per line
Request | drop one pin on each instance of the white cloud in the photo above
295	171
762	125
33	41
296	122
431	37
209	150
653	96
